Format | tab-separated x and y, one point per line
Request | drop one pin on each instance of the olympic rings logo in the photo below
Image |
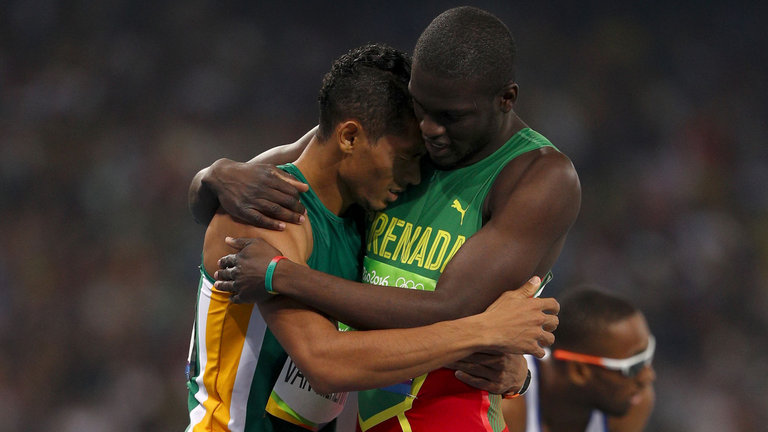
407	283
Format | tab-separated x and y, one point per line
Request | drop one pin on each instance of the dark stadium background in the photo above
107	109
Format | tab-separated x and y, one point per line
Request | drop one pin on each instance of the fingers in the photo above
477	370
227	261
293	181
284	199
276	211
549	305
237	243
530	287
225	285
550	323
254	216
538	351
262	195
478	382
546	340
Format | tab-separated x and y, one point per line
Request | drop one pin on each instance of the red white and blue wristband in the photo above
270	272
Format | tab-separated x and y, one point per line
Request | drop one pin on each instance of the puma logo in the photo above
457	206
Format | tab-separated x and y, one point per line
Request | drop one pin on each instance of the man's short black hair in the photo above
467	42
369	84
585	313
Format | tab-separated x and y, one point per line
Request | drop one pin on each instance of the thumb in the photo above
530	287
238	243
293	181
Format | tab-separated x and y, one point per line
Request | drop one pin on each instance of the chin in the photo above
375	206
616	409
443	163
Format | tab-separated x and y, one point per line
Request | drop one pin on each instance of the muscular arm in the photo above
357	360
531	205
343	361
224	173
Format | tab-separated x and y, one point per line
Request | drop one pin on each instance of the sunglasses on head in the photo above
629	367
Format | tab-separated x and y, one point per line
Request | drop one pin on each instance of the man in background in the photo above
599	376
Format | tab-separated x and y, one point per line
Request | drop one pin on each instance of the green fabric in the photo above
409	244
336	240
336	250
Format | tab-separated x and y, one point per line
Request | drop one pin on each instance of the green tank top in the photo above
410	243
336	245
336	250
336	240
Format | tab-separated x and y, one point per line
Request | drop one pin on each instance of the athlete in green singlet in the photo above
512	225
240	377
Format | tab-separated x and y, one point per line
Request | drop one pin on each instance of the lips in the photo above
435	144
437	150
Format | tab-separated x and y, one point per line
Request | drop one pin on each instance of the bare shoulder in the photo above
543	178
294	242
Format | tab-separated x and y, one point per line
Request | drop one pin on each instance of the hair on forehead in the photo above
585	313
369	84
467	42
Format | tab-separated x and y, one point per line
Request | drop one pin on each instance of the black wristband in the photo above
523	389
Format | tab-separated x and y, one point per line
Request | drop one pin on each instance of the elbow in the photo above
322	371
325	386
325	380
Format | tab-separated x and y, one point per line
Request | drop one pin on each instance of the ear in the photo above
350	135
580	374
508	96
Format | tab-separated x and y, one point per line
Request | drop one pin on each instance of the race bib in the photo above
293	396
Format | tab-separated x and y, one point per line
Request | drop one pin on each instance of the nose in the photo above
408	173
430	128
411	175
647	375
414	172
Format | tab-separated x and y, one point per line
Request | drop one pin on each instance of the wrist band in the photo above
270	272
523	389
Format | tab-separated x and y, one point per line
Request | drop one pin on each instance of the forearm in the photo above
285	153
202	200
356	360
503	265
365	306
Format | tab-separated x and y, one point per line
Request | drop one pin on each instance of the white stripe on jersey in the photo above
249	357
196	414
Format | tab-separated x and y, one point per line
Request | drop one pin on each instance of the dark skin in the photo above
527	214
569	391
268	203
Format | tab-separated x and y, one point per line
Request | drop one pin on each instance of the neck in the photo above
565	408
319	163
512	125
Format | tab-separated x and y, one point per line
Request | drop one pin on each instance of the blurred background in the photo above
107	110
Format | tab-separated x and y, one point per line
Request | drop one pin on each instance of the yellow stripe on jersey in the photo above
225	329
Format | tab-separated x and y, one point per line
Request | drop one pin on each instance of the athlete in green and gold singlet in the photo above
235	360
499	209
408	246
